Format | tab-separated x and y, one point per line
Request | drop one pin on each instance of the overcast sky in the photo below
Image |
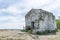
12	12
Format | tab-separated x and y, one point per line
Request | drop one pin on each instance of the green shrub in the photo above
42	33
58	23
45	32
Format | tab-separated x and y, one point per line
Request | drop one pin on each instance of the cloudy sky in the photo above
12	12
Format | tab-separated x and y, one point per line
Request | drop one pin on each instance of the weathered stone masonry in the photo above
40	20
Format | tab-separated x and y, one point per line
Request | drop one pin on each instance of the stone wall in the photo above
43	20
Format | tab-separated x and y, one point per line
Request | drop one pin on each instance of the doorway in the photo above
32	25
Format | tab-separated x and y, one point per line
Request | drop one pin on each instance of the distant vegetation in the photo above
58	23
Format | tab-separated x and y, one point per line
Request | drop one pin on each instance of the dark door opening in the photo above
32	25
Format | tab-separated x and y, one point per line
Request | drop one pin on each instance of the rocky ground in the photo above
18	35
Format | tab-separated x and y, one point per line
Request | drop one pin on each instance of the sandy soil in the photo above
18	35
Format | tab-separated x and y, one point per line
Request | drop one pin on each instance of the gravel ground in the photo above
18	35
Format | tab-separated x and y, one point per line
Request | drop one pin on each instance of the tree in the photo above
58	23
